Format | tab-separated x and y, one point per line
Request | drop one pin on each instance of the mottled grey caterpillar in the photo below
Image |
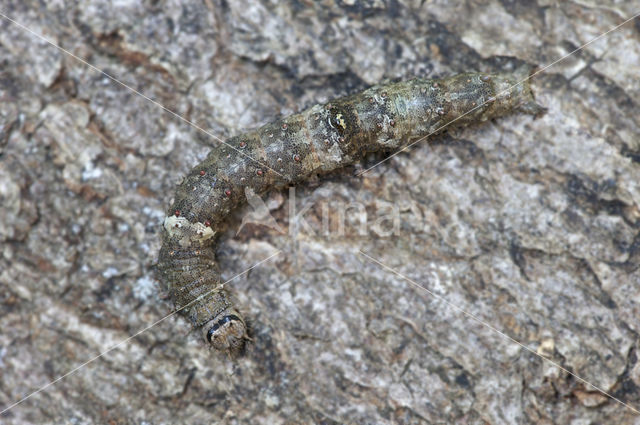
316	141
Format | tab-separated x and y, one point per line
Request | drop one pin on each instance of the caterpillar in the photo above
316	141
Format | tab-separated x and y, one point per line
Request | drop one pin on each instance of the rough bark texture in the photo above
531	225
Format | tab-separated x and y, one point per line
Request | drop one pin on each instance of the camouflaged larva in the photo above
315	141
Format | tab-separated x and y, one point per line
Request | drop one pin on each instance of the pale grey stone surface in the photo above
530	225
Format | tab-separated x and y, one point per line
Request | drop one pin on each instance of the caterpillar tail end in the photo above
513	93
532	108
528	106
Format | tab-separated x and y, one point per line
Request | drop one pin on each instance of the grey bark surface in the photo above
530	225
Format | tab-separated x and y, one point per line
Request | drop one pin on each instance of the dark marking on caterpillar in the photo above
318	140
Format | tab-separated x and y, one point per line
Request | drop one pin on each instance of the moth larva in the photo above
315	141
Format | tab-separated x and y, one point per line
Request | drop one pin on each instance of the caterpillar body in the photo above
285	152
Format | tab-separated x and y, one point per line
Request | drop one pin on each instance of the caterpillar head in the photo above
227	332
